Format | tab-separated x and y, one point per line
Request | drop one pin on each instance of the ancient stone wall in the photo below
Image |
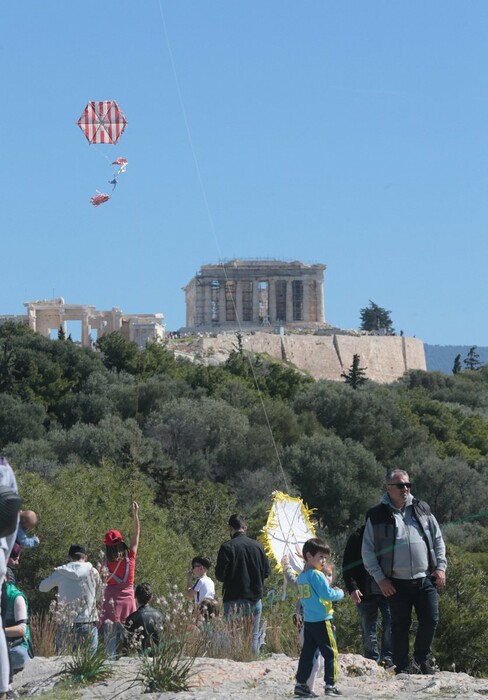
324	357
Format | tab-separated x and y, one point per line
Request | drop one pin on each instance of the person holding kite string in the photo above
316	596
291	577
119	569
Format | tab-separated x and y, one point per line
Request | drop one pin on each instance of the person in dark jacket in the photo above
242	566
369	602
404	551
143	627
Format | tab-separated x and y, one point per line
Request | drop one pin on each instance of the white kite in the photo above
287	529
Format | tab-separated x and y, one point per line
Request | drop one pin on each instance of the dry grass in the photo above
43	632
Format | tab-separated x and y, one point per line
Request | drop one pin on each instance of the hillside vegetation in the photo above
86	432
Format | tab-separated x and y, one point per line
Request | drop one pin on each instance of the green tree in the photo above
457	366
355	375
376	318
20	419
340	479
462	635
61	333
118	353
472	359
202	513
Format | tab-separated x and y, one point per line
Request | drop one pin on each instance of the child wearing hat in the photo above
119	569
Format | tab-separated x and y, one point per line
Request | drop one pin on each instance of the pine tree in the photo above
355	375
375	318
457	366
61	333
472	359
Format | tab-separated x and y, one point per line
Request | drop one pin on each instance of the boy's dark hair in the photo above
201	560
314	546
78	556
237	522
209	608
143	593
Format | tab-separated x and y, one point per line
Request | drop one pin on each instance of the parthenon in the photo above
255	292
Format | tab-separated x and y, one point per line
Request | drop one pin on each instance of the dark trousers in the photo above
368	611
419	594
321	636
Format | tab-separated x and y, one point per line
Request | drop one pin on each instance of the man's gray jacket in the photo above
402	544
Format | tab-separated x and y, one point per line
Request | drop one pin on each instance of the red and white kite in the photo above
122	162
99	198
102	122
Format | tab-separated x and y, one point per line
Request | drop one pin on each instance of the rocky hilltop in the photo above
322	356
271	678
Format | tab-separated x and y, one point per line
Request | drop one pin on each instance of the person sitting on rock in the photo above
143	627
17	629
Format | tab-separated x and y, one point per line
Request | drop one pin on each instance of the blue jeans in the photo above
69	635
112	631
19	656
368	611
87	632
242	607
419	594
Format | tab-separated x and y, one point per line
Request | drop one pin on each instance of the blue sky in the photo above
348	133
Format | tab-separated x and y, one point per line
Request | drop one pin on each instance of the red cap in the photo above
112	537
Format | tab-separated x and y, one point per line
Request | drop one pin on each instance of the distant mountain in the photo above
441	357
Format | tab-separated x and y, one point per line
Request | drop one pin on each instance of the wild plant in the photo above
168	665
85	666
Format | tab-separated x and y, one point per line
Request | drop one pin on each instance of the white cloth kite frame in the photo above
287	529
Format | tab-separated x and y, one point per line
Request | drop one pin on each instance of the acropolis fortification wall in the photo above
322	356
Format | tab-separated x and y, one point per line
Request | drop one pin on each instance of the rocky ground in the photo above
271	678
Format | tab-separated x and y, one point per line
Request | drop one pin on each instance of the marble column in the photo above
306	299
222	305
255	300
85	331
272	300
238	300
207	304
289	301
320	302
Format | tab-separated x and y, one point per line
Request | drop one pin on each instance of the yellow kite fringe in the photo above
273	524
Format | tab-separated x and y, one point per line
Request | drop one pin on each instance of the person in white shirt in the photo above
203	587
78	584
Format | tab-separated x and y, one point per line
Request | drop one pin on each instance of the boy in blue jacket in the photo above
316	596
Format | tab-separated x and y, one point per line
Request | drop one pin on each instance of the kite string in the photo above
214	232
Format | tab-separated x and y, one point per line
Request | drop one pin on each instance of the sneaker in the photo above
402	671
332	690
423	667
386	663
303	691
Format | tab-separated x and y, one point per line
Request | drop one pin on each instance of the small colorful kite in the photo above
123	162
99	198
287	529
102	122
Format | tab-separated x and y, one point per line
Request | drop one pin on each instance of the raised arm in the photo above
136	528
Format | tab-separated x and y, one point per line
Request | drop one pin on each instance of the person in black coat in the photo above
369	602
242	566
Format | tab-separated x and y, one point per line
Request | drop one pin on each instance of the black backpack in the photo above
10	503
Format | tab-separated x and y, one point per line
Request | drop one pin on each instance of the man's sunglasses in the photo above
402	485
